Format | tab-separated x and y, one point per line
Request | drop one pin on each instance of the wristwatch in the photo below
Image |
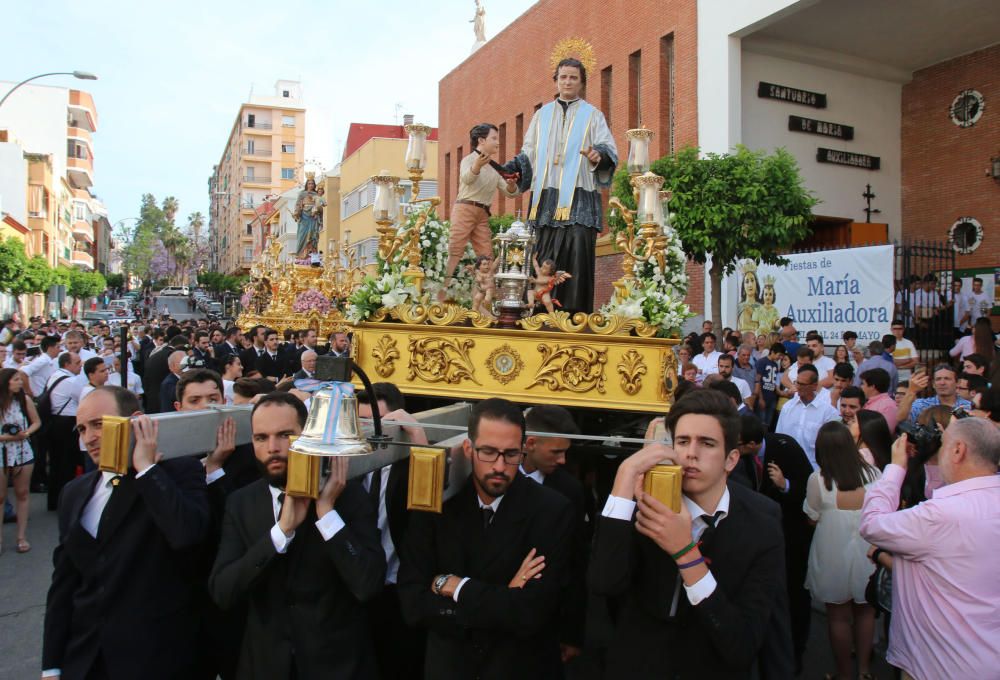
439	583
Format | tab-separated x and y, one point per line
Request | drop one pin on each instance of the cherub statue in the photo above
544	281
484	285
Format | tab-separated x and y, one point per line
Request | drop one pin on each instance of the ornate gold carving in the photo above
596	323
668	375
504	364
631	368
385	354
435	315
573	368
441	360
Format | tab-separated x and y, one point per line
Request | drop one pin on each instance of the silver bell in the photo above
333	428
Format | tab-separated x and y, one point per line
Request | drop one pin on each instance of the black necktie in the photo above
375	487
487	517
281	502
710	522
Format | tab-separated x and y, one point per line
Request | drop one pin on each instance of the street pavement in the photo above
24	582
178	306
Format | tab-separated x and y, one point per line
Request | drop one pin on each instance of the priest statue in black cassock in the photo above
567	157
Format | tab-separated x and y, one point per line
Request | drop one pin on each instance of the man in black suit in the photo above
168	388
485	576
122	599
544	462
303	569
271	364
231	344
776	466
399	649
249	356
340	344
307	365
203	351
157	371
142	346
699	587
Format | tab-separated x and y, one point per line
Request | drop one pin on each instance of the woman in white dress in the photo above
232	370
839	567
18	421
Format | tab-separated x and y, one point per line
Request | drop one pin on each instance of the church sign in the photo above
854	160
820	127
791	94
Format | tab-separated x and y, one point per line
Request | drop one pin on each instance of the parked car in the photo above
100	315
121	303
174	290
213	308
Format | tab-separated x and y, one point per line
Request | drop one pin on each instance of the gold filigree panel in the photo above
573	368
446	360
504	364
631	368
385	354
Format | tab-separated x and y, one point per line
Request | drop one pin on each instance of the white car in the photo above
174	290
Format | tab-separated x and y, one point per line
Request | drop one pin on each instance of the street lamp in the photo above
82	75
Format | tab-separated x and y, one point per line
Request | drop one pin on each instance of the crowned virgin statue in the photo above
307	213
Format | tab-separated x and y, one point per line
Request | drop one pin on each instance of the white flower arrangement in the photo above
657	295
390	288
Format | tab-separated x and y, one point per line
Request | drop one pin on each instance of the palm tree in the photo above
195	222
170	207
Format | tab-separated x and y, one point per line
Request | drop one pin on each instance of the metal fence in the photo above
924	300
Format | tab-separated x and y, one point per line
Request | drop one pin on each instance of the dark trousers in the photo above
40	473
799	599
572	248
399	649
64	455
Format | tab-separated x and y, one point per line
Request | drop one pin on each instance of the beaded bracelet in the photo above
684	551
692	563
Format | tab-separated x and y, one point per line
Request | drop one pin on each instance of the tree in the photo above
744	205
85	284
21	275
195	222
170	207
115	280
13	262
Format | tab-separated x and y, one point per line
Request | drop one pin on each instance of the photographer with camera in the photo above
18	421
945	393
945	592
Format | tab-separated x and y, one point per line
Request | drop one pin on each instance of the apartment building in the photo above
54	128
262	159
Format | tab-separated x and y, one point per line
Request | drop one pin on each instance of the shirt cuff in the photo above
214	476
619	508
458	588
279	539
702	589
52	673
788	486
329	524
140	474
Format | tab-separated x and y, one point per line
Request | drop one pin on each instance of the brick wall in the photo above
944	165
507	79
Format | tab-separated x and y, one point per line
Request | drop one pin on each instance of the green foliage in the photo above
85	284
37	278
500	223
733	206
220	283
13	262
115	280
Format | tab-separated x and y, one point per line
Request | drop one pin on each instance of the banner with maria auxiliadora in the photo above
831	291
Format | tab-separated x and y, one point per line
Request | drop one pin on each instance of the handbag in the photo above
878	592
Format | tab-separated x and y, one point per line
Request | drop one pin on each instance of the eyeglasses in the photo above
488	454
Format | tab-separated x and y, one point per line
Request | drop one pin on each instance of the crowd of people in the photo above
861	479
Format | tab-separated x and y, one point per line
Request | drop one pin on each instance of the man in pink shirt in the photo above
875	385
945	593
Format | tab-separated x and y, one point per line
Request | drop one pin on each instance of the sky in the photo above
172	76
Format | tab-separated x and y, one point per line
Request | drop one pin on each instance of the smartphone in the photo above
34	351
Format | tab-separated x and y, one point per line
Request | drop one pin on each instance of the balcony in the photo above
79	133
261	152
83	231
80	171
82	112
257	179
260	126
83	259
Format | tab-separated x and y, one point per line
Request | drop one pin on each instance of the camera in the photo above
925	438
10	429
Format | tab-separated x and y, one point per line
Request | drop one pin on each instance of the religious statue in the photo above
767	316
307	213
750	298
567	157
484	284
479	24
545	279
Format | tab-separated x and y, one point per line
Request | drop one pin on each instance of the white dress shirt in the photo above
537	475
623	509
66	395
707	364
39	370
90	518
84	353
227	391
802	421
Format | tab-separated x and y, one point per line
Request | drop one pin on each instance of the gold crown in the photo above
749	266
574	48
768	280
311	175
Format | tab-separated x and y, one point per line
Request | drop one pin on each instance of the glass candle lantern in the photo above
386	206
416	149
649	207
638	150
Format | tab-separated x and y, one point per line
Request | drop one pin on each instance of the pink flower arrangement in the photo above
311	300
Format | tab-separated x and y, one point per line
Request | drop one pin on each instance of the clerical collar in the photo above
565	104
